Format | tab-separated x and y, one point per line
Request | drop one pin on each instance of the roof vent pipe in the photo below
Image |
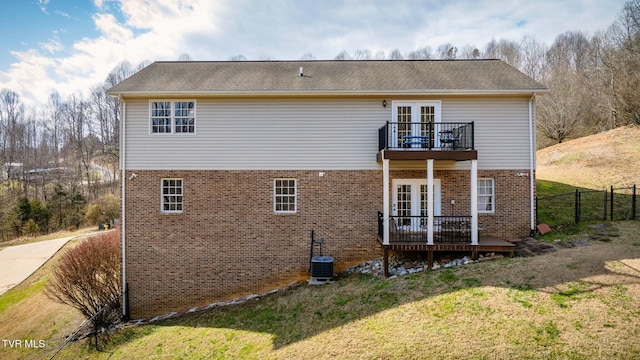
301	73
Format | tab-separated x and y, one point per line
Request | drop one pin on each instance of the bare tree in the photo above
307	56
561	112
362	55
238	58
470	52
447	52
532	57
395	55
11	122
505	50
81	142
185	57
343	55
379	55
625	32
424	53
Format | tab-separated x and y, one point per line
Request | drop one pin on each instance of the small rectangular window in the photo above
172	196
486	196
284	196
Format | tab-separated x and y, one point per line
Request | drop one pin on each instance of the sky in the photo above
69	46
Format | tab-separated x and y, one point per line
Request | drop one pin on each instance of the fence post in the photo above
577	207
606	197
633	203
611	215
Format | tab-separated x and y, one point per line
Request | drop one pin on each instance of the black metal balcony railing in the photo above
426	136
413	229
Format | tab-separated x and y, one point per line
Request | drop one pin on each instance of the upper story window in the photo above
171	117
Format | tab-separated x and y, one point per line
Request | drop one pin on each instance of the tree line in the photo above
59	162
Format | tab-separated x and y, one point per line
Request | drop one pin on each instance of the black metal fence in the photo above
587	205
413	229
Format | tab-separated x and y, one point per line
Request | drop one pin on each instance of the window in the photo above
172	196
486	198
173	117
161	117
284	196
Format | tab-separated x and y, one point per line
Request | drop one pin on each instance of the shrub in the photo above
103	210
88	278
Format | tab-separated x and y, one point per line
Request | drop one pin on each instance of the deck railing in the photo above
426	136
413	229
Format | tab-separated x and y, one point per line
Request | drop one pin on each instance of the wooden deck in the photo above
485	244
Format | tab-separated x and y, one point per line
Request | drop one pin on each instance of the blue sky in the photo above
69	46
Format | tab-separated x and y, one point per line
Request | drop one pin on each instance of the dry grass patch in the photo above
595	161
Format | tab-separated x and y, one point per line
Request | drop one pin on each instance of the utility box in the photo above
321	270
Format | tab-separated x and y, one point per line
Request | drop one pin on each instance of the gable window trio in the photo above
172	117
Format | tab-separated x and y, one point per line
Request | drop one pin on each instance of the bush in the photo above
103	210
88	278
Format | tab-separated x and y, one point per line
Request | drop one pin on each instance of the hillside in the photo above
597	161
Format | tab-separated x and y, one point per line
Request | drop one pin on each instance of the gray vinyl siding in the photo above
262	135
501	129
312	134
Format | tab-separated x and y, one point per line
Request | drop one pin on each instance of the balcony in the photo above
422	141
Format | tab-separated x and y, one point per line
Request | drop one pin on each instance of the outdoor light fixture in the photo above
384	103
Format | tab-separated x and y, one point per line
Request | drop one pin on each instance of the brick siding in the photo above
229	242
511	218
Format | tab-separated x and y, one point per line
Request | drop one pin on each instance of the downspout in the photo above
532	163
123	176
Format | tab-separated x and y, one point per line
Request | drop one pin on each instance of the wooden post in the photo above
386	260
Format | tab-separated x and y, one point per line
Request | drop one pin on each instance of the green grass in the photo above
11	298
556	208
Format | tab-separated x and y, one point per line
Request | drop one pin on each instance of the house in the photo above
227	166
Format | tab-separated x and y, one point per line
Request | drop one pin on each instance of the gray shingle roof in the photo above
261	77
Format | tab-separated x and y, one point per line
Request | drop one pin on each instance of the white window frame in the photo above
491	196
177	193
416	117
278	197
172	116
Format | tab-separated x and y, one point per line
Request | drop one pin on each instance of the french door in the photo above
409	206
412	123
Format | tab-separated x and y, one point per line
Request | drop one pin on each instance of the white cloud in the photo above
150	30
43	5
52	46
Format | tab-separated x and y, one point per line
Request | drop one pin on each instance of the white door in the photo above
409	206
412	123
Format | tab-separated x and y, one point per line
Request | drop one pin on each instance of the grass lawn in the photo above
578	303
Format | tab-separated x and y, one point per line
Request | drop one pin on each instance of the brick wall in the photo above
511	218
229	242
